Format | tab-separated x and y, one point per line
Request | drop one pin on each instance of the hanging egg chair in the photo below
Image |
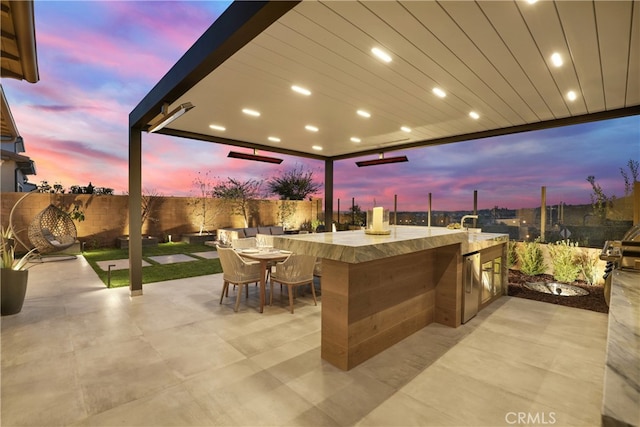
52	230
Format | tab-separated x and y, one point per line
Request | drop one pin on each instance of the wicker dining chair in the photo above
237	271
295	271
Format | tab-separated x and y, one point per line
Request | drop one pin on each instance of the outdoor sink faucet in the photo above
465	217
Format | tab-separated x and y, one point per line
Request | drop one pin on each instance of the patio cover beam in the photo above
236	27
328	195
135	211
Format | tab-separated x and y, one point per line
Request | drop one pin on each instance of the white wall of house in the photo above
8	168
13	179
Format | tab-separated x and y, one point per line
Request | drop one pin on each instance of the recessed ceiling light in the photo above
251	112
364	113
274	139
474	115
381	54
405	129
355	139
556	59
218	127
301	90
532	1
317	147
439	92
572	96
311	128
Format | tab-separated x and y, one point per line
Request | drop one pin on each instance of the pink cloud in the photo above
74	122
125	38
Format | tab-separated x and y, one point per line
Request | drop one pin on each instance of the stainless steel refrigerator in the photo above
471	286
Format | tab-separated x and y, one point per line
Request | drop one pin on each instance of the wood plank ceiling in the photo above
18	58
18	41
492	58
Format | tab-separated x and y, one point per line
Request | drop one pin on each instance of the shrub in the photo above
588	265
315	223
565	268
531	258
512	254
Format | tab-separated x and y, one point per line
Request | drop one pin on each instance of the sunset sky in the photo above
97	60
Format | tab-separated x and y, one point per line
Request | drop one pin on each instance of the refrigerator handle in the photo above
468	267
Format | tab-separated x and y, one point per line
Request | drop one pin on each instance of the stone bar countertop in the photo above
355	246
479	241
621	393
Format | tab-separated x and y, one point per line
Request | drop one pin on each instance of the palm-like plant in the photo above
8	251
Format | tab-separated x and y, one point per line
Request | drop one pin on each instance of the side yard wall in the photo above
107	217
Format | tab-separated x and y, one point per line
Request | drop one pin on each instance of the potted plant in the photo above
14	275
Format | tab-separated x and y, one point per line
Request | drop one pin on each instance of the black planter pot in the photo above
13	290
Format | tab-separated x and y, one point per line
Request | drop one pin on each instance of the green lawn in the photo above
155	272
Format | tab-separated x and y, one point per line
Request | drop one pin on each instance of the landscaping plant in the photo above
8	258
315	223
588	265
286	210
565	267
238	196
531	258
512	254
202	211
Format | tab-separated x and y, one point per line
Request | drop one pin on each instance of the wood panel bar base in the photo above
368	307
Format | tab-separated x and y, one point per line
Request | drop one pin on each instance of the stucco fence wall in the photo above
107	217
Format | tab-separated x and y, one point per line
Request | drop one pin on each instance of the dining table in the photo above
265	256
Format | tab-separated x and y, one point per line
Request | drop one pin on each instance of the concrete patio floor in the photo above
81	354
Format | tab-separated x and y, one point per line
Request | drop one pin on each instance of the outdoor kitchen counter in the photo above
355	246
621	392
479	241
379	289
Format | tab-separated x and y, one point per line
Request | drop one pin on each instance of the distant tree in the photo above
599	200
294	184
357	216
238	196
104	190
90	189
57	188
630	180
45	187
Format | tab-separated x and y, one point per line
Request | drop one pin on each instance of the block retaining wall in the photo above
107	217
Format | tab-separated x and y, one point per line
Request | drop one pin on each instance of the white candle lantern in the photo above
378	221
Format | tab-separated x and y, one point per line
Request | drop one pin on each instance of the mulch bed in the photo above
594	301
